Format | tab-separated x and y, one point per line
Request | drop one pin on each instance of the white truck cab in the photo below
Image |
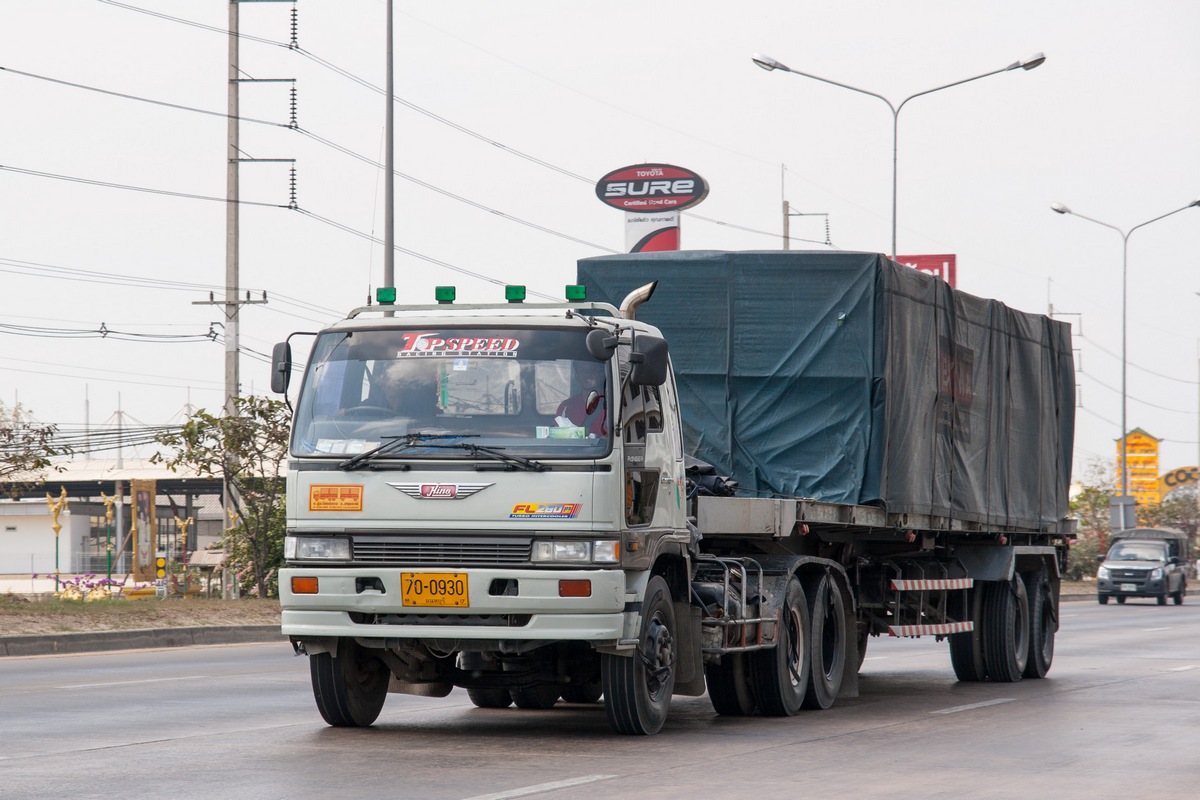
476	496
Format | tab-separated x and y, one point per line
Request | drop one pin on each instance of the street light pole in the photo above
1063	209
769	64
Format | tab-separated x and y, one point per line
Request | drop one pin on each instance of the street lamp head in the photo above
1059	208
1033	62
768	63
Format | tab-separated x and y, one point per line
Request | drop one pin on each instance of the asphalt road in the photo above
1116	718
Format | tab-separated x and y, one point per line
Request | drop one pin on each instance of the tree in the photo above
26	447
247	451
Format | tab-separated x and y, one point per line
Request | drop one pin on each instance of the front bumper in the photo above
1131	588
530	610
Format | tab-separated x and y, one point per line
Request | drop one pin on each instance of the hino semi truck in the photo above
700	472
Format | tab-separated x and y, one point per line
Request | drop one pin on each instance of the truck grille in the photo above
449	551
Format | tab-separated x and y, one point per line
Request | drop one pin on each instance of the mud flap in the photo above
689	669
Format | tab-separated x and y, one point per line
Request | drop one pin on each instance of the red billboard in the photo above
941	266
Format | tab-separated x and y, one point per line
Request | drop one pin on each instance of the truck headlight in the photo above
576	552
1156	574
1102	573
312	548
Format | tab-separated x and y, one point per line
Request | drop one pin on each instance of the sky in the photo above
112	218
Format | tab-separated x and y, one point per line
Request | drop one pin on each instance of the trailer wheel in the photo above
587	692
781	674
826	609
864	636
483	696
1043	623
637	688
537	698
1006	629
351	688
729	686
966	649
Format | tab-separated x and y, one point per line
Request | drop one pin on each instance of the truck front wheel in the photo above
638	688
349	689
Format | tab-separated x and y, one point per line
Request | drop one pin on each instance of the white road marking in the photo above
1183	669
543	787
984	704
131	683
1154	630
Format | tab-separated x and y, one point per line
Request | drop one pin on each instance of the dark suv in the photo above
1141	568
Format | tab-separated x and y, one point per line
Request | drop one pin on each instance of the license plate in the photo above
434	589
1128	587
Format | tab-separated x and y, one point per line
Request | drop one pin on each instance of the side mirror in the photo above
601	344
281	367
648	361
1100	559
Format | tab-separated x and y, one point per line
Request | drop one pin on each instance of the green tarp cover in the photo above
846	377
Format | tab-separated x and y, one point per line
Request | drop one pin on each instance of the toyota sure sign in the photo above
651	188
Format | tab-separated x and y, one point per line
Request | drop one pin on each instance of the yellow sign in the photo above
335	497
1141	451
1182	476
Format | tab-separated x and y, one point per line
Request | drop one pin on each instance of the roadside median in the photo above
100	641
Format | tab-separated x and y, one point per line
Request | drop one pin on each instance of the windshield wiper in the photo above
396	445
399	444
515	462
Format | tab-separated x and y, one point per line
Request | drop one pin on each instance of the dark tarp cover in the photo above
848	378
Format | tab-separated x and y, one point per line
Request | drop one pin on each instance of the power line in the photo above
110	185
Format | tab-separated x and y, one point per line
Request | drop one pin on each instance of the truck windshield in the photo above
532	393
1138	551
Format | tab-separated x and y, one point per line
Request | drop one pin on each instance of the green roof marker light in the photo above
514	294
444	294
576	293
385	295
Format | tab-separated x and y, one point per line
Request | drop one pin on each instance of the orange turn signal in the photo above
574	588
304	585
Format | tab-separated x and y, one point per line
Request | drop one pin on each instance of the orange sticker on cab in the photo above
545	511
335	497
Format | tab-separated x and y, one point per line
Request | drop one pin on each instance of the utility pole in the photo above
389	168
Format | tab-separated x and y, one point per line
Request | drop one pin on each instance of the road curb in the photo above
99	641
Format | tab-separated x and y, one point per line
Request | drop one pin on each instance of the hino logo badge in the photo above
440	491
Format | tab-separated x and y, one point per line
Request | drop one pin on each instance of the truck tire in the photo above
781	674
1006	629
1162	598
827	611
483	696
729	687
966	649
637	688
1043	623
586	693
351	688
1178	596
1103	598
537	698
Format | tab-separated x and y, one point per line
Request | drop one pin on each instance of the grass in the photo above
19	616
